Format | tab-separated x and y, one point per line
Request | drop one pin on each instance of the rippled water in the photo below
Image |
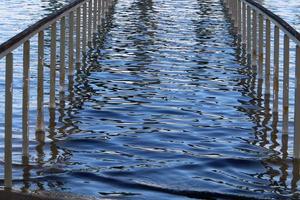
164	108
288	10
25	13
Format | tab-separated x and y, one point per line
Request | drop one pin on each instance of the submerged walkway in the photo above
165	110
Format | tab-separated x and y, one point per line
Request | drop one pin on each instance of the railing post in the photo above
8	121
62	53
105	8
95	16
90	23
71	43
268	57
53	66
239	15
244	35
297	107
229	8
25	109
78	44
249	30
40	88
99	12
84	32
285	115
276	70
254	38
227	5
260	47
234	13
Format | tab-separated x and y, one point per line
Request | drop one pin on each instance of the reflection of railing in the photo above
253	23
82	15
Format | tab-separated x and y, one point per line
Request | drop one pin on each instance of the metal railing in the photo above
253	23
77	22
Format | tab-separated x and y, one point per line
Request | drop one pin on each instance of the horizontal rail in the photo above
40	25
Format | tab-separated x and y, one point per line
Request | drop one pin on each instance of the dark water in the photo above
164	108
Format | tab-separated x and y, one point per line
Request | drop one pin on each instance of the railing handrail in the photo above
281	23
43	23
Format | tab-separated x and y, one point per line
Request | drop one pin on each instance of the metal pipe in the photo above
78	39
254	38
297	107
99	12
90	23
62	53
260	47
40	87
244	35
276	70
249	30
8	121
239	16
234	13
84	32
285	114
71	43
53	65
95	16
26	99
268	57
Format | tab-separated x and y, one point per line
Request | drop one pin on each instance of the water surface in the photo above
164	107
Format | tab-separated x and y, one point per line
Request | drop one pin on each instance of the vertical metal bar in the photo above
249	30
95	16
227	5
90	23
236	14
268	57
229	8
99	12
285	115
84	32
71	43
25	109
40	86
233	17
239	16
53	65
276	70
244	23
78	44
297	107
260	47
62	53
8	121
254	38
105	9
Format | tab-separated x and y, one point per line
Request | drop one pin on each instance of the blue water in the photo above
163	108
